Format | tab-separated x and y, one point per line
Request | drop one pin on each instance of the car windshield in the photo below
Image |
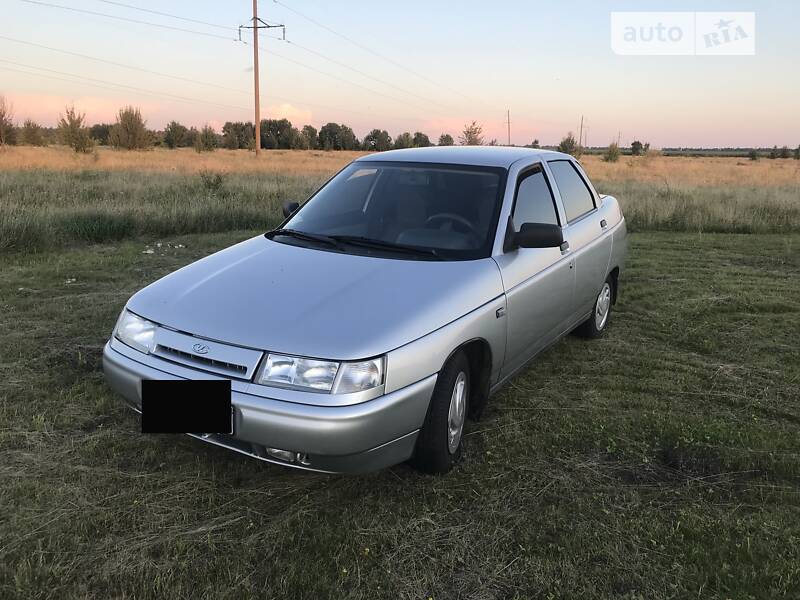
392	208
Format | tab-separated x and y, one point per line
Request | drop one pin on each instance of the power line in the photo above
177	77
163	14
190	31
108	86
362	73
299	63
118	64
336	77
304	48
105	83
129	20
375	52
97	85
39	2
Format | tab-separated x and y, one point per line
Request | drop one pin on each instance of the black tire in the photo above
591	328
432	453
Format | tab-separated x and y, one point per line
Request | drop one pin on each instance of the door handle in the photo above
564	247
603	224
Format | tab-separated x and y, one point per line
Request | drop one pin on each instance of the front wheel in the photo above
596	324
439	441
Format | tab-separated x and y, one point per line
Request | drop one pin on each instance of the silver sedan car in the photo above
386	309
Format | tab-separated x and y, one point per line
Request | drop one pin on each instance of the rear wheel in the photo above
439	441
596	324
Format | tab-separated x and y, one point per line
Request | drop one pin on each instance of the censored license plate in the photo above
183	406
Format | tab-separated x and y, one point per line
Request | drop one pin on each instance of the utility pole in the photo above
580	132
255	78
257	24
508	122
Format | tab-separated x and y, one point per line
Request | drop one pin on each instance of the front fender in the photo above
426	355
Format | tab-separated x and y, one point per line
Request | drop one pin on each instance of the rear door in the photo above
539	282
585	230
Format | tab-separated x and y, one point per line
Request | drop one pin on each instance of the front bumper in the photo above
338	439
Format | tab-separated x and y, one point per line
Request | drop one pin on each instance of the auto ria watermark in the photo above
683	33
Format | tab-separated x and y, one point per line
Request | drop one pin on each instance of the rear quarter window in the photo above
575	194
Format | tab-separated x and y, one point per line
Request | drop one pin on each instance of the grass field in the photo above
662	461
51	197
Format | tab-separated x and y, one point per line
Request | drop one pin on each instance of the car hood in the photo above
272	296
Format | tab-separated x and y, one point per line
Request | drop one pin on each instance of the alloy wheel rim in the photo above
602	307
457	412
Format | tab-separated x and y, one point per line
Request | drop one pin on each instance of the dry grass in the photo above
52	197
180	161
695	171
654	168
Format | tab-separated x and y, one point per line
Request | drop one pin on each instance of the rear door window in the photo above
575	194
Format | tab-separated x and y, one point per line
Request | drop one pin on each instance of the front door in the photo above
539	282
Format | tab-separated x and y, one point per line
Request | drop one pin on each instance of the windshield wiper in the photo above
303	235
364	242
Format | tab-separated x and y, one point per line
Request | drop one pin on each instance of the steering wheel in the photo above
454	218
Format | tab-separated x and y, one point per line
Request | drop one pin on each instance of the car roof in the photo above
485	156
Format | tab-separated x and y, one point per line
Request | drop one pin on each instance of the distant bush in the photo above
612	153
403	140
796	153
337	136
206	140
785	152
72	131
175	135
130	131
378	140
212	180
8	134
190	137
446	140
238	135
773	153
752	155
569	145
310	133
639	149
420	140
32	134
472	135
100	132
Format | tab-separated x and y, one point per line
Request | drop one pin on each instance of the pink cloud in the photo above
298	116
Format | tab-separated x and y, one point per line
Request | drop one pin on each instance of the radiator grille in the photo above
195	359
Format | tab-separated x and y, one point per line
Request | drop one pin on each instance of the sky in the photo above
428	66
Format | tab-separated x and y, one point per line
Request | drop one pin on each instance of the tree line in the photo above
130	132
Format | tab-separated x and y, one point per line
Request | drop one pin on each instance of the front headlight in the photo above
136	332
320	375
294	371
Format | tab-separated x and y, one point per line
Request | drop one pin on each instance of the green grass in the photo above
46	209
707	209
40	210
661	461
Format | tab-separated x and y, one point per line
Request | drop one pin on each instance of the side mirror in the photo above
289	208
534	235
